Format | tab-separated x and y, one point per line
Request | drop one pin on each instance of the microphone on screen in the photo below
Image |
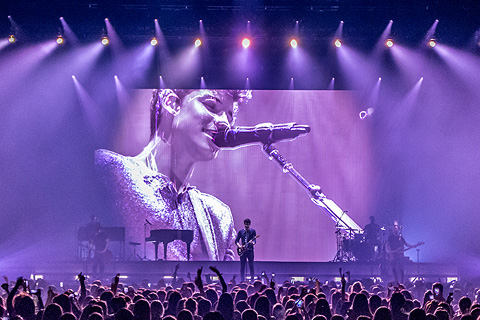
265	133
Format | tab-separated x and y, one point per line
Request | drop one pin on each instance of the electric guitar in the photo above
241	250
399	252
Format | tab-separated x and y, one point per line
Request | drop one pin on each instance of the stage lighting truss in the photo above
11	38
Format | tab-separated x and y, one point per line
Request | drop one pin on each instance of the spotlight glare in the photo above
154	41
338	43
389	43
60	40
432	43
11	38
105	41
293	43
198	43
246	43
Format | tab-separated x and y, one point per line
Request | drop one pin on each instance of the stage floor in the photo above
135	272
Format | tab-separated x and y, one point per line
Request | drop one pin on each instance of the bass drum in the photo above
363	251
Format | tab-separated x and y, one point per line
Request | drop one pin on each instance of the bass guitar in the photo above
241	250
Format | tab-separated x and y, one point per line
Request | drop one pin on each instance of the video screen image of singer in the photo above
173	166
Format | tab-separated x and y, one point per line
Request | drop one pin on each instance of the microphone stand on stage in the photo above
343	222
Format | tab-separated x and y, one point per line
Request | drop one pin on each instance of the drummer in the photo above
372	234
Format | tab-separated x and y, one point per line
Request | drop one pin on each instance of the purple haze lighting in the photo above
247	84
162	83
203	85
291	85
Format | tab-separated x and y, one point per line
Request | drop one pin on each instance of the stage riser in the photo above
155	270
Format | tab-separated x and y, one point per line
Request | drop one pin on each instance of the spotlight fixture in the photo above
105	41
198	42
154	41
389	43
60	40
432	43
246	43
293	43
338	43
11	38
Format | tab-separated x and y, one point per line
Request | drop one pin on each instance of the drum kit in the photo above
361	246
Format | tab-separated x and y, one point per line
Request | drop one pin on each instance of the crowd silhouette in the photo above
262	299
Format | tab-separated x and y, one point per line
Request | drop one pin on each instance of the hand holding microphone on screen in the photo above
265	133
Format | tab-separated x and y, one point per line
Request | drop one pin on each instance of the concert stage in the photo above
137	272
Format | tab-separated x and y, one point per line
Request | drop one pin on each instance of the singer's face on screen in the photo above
202	113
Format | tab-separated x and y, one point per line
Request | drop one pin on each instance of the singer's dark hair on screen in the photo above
239	96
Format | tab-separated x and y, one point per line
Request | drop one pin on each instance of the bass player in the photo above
395	248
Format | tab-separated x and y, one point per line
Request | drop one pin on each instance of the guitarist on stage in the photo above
395	248
245	240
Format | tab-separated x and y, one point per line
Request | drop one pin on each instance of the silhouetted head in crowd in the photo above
225	305
141	310
382	313
63	301
417	314
278	311
185	315
249	314
242	306
464	304
68	316
173	299
124	314
262	306
214	315
322	308
204	307
52	312
24	306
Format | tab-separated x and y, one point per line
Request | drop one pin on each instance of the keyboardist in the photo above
154	184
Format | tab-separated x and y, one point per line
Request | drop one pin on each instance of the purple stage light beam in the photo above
431	32
89	107
68	32
380	45
331	85
122	94
115	40
203	85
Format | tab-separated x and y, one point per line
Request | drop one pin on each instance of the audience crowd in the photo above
194	300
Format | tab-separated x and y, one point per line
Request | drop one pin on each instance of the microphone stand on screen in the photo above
341	219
